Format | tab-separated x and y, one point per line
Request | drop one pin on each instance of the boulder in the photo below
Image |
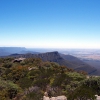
58	98
46	98
97	97
61	98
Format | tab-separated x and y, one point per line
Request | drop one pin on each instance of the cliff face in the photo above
66	60
49	56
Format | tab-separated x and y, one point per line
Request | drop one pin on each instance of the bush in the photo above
8	89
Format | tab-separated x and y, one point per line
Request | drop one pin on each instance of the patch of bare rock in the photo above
62	97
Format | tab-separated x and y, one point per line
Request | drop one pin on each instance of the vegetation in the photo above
29	79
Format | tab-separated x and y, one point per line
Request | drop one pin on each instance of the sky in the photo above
50	23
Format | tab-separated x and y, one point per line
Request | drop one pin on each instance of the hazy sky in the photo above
50	23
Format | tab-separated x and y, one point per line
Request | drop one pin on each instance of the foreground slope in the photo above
31	78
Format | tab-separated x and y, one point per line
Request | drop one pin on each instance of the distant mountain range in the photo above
66	60
5	51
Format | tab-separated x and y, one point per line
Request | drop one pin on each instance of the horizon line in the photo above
43	47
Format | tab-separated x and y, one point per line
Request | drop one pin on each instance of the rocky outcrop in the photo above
62	97
46	98
97	97
19	60
55	98
59	98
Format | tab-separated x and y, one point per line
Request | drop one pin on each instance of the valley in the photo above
89	56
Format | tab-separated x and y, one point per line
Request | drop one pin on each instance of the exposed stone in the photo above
19	59
46	98
58	98
97	97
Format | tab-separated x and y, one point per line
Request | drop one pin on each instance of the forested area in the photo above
30	78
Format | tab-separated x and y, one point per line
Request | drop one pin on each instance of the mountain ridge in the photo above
5	51
65	60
